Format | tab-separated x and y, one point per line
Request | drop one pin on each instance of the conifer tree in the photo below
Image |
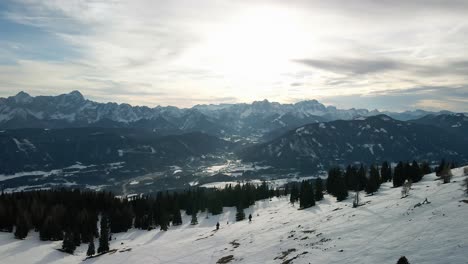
386	172
176	216
91	250
362	179
240	215
22	225
104	237
294	193
342	190
164	221
398	177
425	168
69	245
373	182
416	174
318	189
403	260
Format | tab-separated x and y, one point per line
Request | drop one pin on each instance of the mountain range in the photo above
253	120
46	133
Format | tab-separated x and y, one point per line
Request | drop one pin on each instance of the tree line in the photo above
73	215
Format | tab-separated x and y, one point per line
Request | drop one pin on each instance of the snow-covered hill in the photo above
380	231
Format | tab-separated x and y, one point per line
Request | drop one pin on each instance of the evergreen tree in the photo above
240	215
362	179
69	245
386	172
373	182
22	225
342	191
416	173
398	177
91	250
164	221
306	198
318	189
403	260
176	217
104	237
294	194
425	168
351	177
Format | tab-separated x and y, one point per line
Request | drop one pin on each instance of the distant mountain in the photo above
43	149
258	119
455	123
371	139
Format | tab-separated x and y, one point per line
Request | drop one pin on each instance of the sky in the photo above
388	54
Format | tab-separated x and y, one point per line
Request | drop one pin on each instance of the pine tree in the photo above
240	215
104	237
91	250
164	221
416	173
373	182
425	168
22	225
386	172
318	189
69	245
398	177
306	198
176	217
351	177
403	260
294	193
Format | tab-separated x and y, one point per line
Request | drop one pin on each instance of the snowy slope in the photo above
382	230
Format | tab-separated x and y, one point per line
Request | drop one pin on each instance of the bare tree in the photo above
405	190
356	200
446	174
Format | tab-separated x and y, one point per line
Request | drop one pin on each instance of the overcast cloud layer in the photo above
389	55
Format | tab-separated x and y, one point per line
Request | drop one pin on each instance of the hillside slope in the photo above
380	231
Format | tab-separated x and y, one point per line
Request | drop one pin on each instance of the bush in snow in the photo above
465	171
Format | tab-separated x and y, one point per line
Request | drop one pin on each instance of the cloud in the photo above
354	66
184	52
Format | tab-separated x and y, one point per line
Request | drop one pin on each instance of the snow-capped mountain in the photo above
257	118
371	139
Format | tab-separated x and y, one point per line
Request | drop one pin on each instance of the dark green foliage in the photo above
351	178
22	225
51	212
403	260
398	175
240	215
386	172
306	196
318	189
294	193
415	172
69	244
176	216
425	168
91	250
336	184
373	182
104	235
